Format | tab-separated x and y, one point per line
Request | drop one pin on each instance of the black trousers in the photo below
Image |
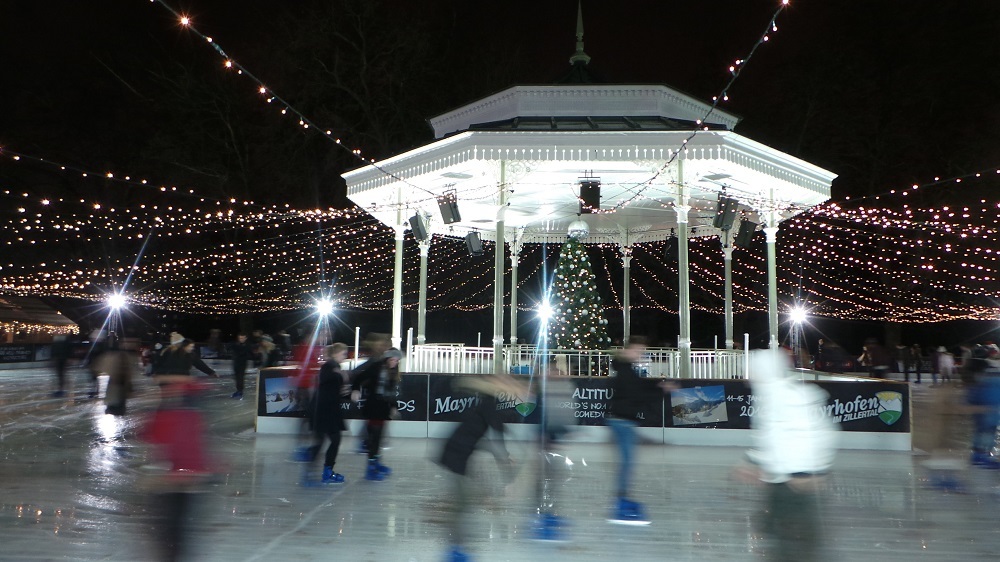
375	430
331	452
239	374
176	510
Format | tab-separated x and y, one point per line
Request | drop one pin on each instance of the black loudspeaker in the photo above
590	196
449	208
418	228
745	234
474	244
725	213
671	249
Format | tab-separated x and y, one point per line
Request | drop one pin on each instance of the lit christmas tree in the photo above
577	315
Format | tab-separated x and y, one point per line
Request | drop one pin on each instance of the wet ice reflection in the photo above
73	489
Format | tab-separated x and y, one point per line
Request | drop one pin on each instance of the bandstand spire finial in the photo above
579	56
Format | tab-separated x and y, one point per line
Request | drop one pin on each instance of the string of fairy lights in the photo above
271	97
938	256
878	257
735	69
229	63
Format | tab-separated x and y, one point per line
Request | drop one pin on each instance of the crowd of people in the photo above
941	363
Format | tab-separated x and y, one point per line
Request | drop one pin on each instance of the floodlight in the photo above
545	312
324	307
797	315
116	301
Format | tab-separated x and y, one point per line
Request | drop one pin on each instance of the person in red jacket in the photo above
177	432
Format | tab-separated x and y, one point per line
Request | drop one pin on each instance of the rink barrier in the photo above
872	414
456	358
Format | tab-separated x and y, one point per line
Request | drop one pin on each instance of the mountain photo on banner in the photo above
577	314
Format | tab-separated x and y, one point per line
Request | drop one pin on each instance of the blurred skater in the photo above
477	420
121	365
241	353
945	465
794	447
554	467
97	348
377	344
326	415
177	432
177	360
945	364
981	376
62	350
378	379
631	396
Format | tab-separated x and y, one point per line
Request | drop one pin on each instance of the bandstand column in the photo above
683	281
425	247
727	258
626	286
498	269
397	287
515	257
771	232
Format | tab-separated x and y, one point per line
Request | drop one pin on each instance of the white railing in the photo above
526	359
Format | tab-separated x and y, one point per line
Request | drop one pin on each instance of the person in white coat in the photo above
794	446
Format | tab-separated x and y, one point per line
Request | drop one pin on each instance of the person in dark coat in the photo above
326	414
631	396
62	350
917	358
176	361
376	382
121	366
477	420
241	352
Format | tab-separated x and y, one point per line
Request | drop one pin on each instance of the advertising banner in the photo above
17	353
705	403
574	400
411	400
279	394
731	404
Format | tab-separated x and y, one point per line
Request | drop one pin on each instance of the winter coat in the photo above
476	421
176	361
793	436
327	414
631	395
121	367
378	384
242	352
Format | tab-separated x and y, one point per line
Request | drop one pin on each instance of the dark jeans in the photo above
624	432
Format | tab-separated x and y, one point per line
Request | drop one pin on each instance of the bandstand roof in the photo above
540	141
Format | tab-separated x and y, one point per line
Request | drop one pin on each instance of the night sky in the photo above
884	93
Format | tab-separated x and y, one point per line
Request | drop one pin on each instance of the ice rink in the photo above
75	487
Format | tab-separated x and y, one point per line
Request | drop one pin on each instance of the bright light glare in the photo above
116	301
324	307
545	312
797	315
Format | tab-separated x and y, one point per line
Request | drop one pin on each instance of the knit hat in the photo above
175	338
393	353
